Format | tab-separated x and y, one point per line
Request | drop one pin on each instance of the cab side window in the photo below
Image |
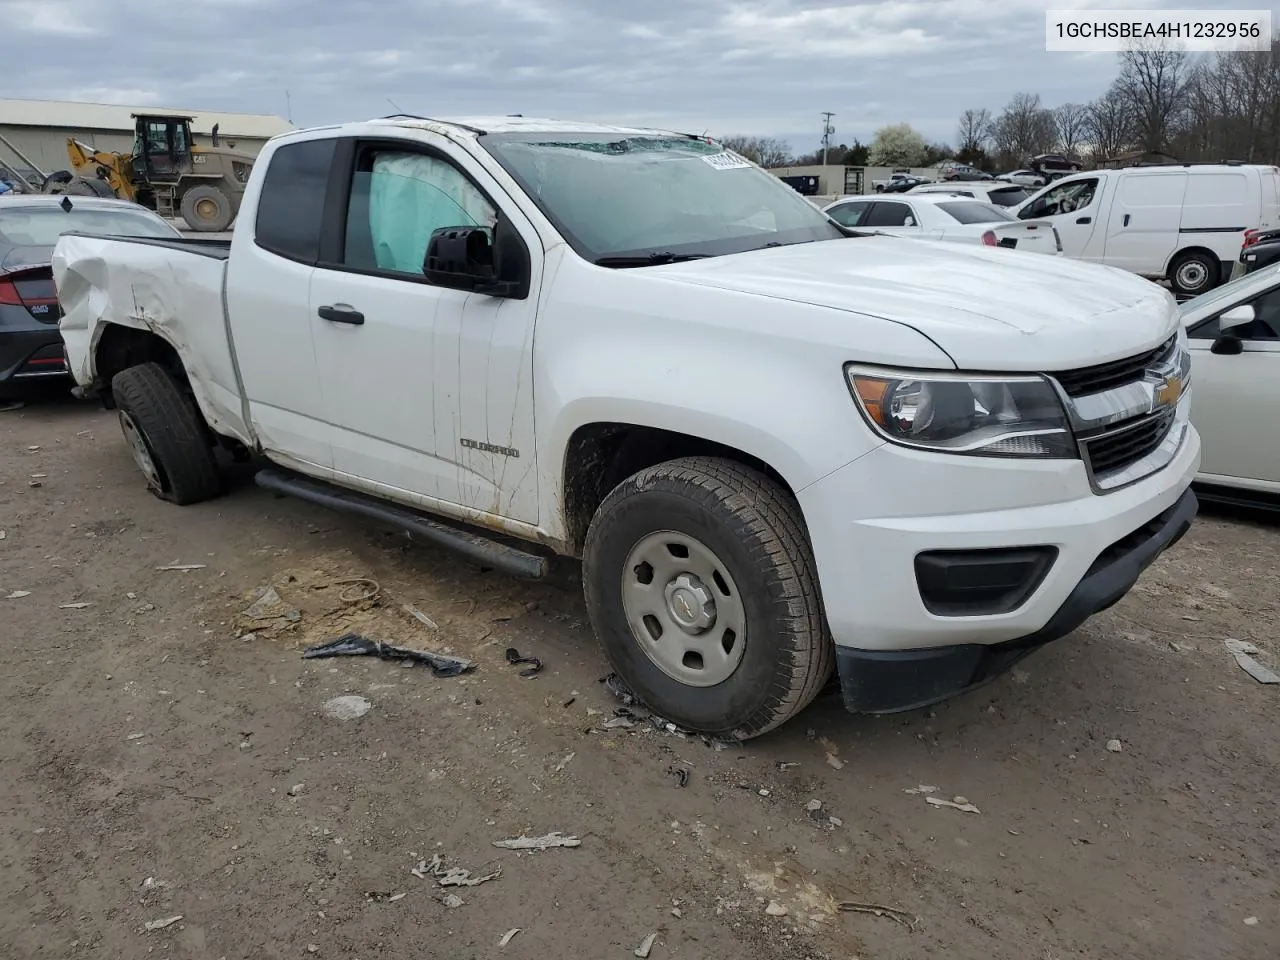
398	197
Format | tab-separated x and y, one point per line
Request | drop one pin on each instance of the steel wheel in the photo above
140	451
1192	275
684	609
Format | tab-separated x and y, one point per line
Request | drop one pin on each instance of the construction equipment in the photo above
166	172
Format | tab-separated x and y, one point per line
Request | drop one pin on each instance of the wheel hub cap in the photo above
690	603
684	609
138	448
1192	275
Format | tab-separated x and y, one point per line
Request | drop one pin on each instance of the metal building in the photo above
40	128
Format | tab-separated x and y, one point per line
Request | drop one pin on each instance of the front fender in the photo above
756	374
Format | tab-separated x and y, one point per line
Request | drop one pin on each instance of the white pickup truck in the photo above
778	447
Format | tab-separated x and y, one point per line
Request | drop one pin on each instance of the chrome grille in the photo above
1126	443
1107	376
1124	413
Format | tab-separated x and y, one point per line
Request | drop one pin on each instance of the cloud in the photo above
765	67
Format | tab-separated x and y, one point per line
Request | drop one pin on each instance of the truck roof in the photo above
476	126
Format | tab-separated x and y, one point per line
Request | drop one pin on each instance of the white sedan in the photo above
1234	335
945	217
1026	178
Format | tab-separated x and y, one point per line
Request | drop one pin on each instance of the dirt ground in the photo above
157	762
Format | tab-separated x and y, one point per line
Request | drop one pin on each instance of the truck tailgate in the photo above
169	288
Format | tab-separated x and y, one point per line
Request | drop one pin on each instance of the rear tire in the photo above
1194	272
166	435
712	557
206	209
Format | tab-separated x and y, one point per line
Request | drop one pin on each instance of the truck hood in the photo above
987	308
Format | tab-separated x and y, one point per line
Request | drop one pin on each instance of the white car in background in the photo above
945	217
1025	178
1234	336
993	191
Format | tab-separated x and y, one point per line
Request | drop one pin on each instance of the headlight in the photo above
959	413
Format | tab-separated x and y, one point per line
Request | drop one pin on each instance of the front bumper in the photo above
890	681
872	520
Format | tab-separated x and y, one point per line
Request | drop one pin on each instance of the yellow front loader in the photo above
166	172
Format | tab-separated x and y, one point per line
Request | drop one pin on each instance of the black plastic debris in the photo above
354	645
618	687
535	665
614	684
681	775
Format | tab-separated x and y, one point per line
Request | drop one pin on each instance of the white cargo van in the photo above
1185	223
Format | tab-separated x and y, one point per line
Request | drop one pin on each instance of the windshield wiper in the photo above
647	259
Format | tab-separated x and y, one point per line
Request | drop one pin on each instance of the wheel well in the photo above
120	347
1183	252
601	455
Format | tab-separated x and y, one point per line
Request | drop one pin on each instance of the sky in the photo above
755	67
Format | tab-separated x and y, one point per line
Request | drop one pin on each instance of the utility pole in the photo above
827	131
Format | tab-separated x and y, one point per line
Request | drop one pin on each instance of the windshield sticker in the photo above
725	161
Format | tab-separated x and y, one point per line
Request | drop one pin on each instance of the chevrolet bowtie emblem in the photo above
1169	392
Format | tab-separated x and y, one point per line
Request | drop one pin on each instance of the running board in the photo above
477	547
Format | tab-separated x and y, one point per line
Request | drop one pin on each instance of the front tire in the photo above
701	585
206	209
166	435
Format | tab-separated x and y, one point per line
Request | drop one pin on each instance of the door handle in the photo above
341	313
1084	219
1126	220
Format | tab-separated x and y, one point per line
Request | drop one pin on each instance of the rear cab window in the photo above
291	204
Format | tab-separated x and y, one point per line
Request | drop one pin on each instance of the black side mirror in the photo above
459	257
491	262
1227	345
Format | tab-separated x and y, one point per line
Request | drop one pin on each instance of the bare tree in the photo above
1070	120
766	151
1220	107
1109	124
1153	80
975	130
1023	130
